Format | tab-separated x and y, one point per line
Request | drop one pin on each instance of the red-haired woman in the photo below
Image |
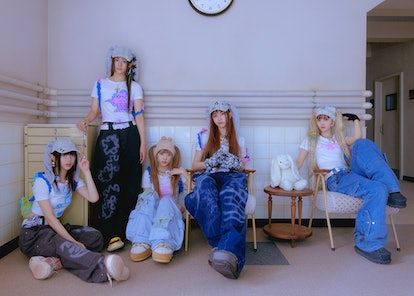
219	198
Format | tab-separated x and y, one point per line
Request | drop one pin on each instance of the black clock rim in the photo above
210	14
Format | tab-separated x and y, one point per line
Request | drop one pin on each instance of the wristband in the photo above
135	114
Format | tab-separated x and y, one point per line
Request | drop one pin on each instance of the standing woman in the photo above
120	148
219	198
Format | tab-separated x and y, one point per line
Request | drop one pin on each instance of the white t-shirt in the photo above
114	100
59	199
202	139
329	154
165	183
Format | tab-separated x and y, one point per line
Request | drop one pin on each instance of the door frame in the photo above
378	114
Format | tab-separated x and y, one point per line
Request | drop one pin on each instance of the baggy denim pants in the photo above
156	220
371	179
87	263
218	204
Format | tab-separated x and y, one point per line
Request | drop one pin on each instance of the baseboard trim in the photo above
408	178
9	247
315	222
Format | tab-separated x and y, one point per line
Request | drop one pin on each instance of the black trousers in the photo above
117	173
87	263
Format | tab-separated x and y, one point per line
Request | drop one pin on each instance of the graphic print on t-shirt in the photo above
120	101
328	144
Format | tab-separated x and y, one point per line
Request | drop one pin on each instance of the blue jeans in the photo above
156	220
218	204
370	179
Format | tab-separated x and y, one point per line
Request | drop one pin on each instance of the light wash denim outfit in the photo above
371	179
218	203
156	220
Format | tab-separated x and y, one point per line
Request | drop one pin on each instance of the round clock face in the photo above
210	7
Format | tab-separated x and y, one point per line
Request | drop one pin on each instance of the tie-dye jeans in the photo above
156	220
371	179
87	263
117	173
218	204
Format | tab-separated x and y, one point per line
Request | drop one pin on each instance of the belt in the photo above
116	125
335	171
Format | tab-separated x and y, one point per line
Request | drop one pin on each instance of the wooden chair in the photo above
249	210
335	202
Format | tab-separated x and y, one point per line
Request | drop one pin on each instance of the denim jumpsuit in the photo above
371	179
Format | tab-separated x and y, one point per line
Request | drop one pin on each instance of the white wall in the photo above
248	55
390	60
23	55
265	45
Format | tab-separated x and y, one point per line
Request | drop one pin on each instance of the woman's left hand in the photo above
179	171
142	153
83	163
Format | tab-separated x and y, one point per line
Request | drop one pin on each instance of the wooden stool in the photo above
290	231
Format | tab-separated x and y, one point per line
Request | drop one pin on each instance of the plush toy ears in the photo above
275	173
293	167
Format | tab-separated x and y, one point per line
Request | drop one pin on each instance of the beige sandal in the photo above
115	244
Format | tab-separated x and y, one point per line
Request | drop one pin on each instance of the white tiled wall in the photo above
11	180
263	143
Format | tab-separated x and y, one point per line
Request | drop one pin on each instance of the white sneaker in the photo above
139	251
44	267
162	253
116	268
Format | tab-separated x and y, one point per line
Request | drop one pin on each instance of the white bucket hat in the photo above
61	145
225	106
120	51
327	110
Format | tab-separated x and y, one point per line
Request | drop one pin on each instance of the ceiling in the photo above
392	21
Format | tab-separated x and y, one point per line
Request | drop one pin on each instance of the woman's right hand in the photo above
82	125
80	244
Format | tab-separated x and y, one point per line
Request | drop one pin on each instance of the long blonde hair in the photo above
314	133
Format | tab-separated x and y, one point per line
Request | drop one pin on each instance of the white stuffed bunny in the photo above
285	174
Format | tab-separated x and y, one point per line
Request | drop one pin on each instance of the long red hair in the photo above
213	143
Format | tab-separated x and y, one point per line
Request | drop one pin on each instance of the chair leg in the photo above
328	221
395	232
254	233
187	230
315	193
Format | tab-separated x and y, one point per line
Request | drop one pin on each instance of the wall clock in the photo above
210	7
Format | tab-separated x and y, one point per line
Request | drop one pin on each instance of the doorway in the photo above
388	120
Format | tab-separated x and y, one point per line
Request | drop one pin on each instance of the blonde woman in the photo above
361	172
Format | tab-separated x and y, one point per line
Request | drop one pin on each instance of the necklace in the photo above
164	173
